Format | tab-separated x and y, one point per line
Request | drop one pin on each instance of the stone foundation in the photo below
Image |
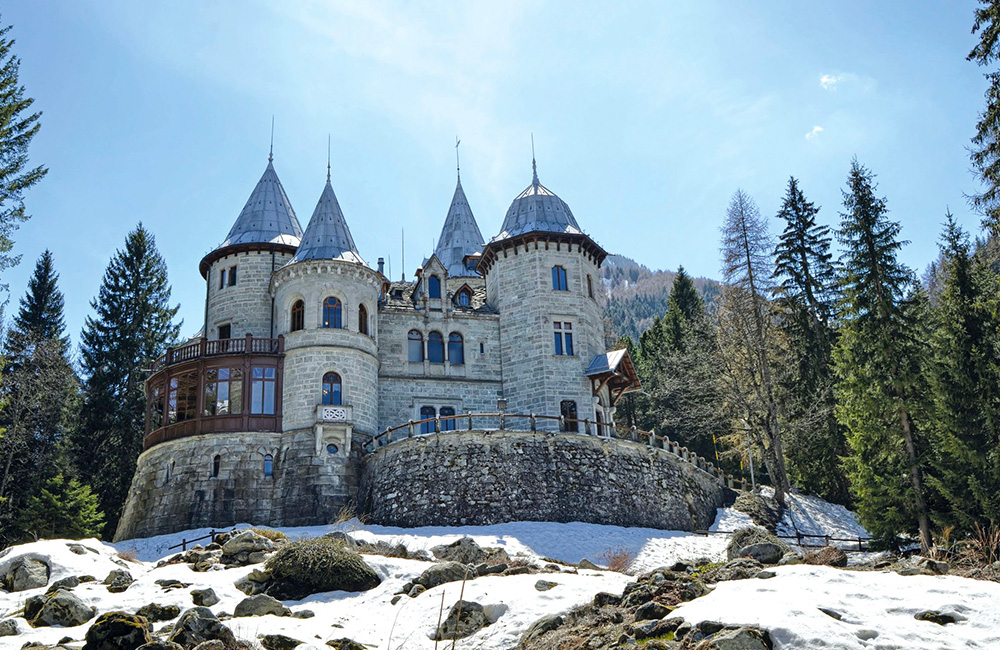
479	478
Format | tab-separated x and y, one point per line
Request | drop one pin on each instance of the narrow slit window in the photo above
298	316
268	465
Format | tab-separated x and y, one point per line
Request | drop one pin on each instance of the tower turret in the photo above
460	237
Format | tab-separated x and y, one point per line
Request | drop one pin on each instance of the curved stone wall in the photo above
483	477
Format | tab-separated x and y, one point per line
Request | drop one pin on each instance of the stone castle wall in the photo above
245	306
173	487
480	478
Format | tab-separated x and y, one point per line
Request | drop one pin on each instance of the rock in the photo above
750	536
213	644
518	570
155	612
204	597
826	556
118	580
27	573
160	644
416	590
62	609
345	644
79	549
256	557
465	550
33	605
651	611
915	571
744	638
541	626
789	558
831	613
587	564
738	569
545	585
485	569
303	613
261	605
764	575
464	619
9	627
199	624
247	542
172	583
396	599
935	566
278	642
763	552
445	572
603	599
66	583
936	617
118	631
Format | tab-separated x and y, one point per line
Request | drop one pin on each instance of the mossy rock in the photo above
750	535
764	511
317	564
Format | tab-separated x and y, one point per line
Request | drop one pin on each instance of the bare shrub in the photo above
129	555
618	559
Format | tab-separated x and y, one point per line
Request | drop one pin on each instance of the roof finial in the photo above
458	166
534	168
270	155
327	157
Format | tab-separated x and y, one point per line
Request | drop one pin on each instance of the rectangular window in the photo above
262	390
182	397
222	278
559	282
447	411
590	286
225	332
562	333
232	276
155	408
223	391
427	412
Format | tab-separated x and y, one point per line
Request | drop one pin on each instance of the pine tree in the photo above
17	128
985	150
965	384
40	390
878	367
132	327
63	509
804	299
746	333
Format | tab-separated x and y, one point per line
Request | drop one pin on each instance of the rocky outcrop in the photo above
118	631
26	573
261	605
199	624
204	597
61	608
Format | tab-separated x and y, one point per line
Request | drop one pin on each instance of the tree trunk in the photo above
917	480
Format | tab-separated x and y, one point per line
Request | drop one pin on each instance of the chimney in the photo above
381	265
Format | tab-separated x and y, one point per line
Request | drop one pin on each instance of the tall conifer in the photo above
985	151
132	327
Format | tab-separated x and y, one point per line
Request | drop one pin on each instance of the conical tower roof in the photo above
537	209
460	236
327	236
267	217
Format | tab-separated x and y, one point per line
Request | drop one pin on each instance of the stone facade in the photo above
488	477
246	305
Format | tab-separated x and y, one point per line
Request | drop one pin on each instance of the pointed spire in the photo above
270	155
327	157
534	167
327	236
458	166
460	235
268	216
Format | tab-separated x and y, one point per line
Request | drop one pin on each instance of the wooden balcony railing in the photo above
453	423
205	348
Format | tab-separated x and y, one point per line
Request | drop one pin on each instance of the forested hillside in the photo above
636	296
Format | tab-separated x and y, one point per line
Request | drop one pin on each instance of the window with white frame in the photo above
562	333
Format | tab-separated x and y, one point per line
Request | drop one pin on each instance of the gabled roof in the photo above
460	236
615	369
327	236
267	217
537	209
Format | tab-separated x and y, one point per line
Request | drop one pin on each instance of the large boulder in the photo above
738	569
465	550
744	638
27	573
161	644
118	580
62	609
247	542
445	572
750	535
541	626
118	631
199	624
763	552
9	627
154	612
261	605
204	597
314	565
464	619
278	642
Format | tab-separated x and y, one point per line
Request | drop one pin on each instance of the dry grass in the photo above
982	548
129	555
271	534
347	513
617	559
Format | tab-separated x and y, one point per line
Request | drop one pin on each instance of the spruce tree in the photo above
132	327
965	384
747	337
17	129
878	367
40	390
804	299
985	150
62	508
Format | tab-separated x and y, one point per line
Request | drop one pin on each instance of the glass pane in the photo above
558	339
236	391
569	343
256	397
416	351
269	398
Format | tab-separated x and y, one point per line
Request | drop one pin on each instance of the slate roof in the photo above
537	209
327	236
460	236
267	217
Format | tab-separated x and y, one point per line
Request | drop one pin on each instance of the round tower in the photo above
542	277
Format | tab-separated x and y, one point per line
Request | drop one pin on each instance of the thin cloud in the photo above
832	82
816	130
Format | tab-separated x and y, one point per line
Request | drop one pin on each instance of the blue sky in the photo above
646	117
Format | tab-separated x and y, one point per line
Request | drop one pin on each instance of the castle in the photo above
310	359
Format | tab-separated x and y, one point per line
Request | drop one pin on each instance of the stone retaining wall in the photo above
488	477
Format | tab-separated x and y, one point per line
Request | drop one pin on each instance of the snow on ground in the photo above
876	609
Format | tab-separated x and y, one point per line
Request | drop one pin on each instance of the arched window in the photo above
435	347
362	319
559	279
567	409
456	348
447	411
332	389
434	287
268	465
216	465
425	413
298	316
332	313
464	298
415	346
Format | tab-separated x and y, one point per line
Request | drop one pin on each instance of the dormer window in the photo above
559	282
464	297
434	287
